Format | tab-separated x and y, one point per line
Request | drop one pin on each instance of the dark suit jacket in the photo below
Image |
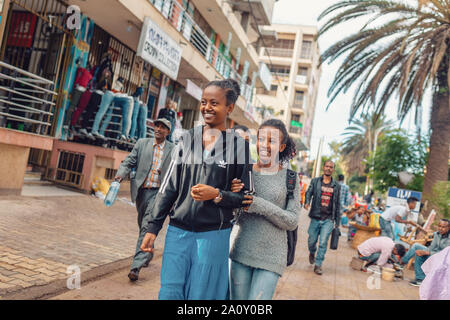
141	158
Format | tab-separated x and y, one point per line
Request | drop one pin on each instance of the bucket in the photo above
388	274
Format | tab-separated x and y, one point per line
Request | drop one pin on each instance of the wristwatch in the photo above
219	197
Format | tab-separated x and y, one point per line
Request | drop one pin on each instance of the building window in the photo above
298	99
306	49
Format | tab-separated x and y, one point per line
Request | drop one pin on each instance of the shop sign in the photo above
194	90
265	75
22	29
160	50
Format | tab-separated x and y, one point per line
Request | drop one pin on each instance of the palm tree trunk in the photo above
437	166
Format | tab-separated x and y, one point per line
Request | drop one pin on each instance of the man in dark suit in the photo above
148	163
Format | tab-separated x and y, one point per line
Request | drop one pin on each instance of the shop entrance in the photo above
34	42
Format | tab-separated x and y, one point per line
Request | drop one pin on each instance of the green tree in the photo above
398	152
360	138
404	49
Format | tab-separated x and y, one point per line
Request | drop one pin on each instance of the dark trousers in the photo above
74	100
91	108
144	200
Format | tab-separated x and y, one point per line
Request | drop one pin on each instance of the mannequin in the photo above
102	81
115	97
82	79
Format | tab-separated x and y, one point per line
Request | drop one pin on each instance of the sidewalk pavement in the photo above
40	237
339	281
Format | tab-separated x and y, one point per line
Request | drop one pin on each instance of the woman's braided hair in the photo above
291	150
231	86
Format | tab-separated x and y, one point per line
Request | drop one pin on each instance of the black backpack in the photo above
291	180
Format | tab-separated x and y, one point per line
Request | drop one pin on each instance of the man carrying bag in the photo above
324	197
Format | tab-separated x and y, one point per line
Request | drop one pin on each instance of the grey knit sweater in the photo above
260	234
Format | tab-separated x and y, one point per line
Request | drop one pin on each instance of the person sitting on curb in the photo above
420	253
396	213
379	250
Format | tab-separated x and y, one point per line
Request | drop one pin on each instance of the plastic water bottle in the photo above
112	193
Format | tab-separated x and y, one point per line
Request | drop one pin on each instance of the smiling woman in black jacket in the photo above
197	195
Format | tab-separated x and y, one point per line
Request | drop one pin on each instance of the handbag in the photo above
335	234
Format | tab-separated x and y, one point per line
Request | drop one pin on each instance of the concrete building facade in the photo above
292	55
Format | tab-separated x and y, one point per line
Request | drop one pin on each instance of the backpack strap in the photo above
291	180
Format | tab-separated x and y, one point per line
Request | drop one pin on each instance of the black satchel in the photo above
335	234
291	179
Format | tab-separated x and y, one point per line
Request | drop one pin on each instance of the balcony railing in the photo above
186	25
297	105
278	52
26	100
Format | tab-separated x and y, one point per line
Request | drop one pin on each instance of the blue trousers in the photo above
142	121
247	283
418	260
322	229
386	229
195	265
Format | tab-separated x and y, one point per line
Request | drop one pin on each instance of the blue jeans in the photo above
142	121
124	103
372	258
418	261
107	99
195	265
134	118
248	283
386	229
323	229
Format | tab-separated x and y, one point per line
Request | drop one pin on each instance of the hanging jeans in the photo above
195	265
107	99
74	101
94	102
81	107
323	229
124	103
248	283
134	118
142	121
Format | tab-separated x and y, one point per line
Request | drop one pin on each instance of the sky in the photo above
332	123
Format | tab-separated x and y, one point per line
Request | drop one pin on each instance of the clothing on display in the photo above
82	79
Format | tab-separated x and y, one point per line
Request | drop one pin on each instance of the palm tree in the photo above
360	138
406	53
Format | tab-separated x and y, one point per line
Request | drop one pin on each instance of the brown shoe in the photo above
318	270
134	275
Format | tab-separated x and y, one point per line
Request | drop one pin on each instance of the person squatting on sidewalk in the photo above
380	250
259	252
324	193
148	162
396	213
197	194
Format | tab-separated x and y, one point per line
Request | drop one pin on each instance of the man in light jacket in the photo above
148	163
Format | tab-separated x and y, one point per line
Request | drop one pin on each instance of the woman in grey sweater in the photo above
259	252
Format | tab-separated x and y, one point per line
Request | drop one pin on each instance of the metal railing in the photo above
278	52
26	100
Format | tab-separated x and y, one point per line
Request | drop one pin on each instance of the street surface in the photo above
41	237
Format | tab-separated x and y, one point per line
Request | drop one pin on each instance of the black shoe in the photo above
415	283
312	259
146	264
133	275
318	270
